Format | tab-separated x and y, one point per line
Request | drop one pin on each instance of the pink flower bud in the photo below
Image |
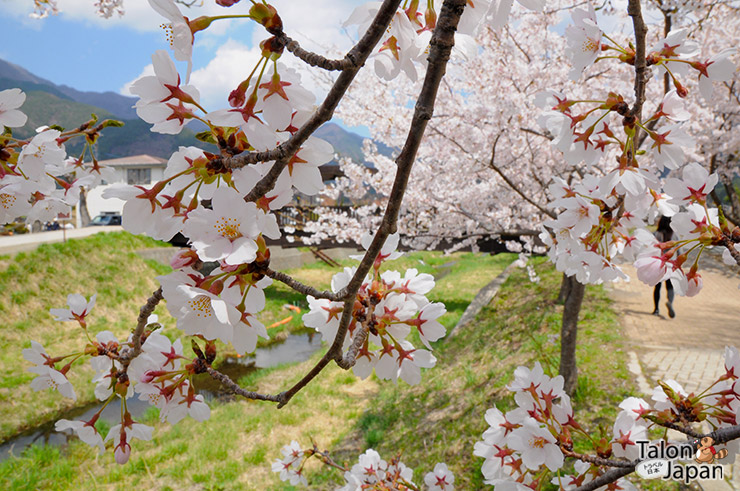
122	453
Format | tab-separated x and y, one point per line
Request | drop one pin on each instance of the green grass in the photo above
192	454
441	419
437	421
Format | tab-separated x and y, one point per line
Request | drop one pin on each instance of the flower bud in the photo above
122	452
267	16
227	3
271	48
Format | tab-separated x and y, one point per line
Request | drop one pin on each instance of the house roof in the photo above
135	161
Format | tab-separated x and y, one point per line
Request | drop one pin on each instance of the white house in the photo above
143	170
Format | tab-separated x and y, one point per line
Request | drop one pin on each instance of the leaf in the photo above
112	123
206	136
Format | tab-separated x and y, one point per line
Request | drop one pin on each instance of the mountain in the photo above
48	103
116	104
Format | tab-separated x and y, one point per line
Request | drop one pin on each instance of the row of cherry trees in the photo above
585	159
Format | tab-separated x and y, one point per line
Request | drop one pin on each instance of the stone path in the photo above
688	348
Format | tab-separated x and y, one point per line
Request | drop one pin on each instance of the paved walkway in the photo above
11	244
690	347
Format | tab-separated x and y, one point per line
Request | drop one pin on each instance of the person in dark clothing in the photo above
664	234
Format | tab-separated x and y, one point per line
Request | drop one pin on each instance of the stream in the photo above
296	348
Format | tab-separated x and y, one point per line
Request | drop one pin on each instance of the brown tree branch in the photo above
439	53
634	10
315	59
606	478
304	289
144	313
234	387
285	151
510	183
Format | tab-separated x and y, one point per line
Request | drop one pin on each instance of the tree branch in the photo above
314	59
285	151
144	313
440	48
233	386
304	289
492	165
634	10
606	478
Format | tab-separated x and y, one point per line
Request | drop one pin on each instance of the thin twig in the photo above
304	289
285	151
514	187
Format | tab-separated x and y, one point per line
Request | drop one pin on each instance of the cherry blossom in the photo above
49	378
78	309
228	231
122	433
163	101
584	40
180	34
440	479
85	430
536	445
290	466
717	68
693	187
10	101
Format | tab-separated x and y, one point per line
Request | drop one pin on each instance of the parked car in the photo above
107	218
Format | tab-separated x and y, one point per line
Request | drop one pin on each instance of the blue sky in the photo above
83	51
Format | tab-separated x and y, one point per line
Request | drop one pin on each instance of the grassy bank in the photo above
33	282
439	420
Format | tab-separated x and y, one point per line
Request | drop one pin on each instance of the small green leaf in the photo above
206	136
112	123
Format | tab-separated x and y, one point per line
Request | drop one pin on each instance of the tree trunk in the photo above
84	213
734	216
564	290
568	333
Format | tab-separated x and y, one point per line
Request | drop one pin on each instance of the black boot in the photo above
671	312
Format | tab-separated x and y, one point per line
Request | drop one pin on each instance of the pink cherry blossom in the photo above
163	102
180	35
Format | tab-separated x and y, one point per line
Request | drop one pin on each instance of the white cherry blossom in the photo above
10	101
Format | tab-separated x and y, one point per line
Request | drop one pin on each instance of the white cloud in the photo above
232	63
139	15
126	89
315	24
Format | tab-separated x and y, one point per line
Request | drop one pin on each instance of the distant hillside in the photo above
48	103
114	103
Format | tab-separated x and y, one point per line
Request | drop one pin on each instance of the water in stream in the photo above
294	349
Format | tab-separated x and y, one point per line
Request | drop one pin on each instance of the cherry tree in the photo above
616	143
517	172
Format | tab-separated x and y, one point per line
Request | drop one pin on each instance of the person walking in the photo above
664	233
